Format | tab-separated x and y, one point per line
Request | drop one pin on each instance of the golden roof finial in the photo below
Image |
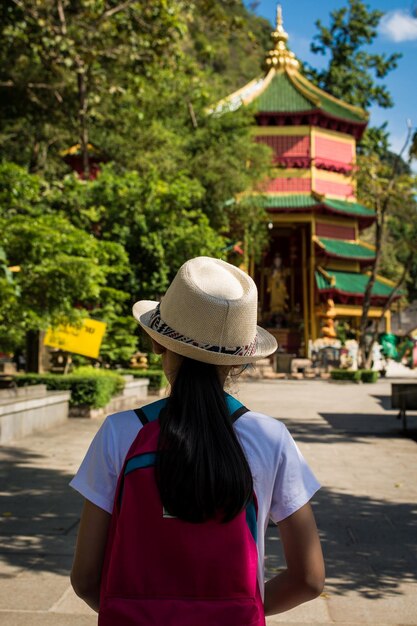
279	15
280	57
280	23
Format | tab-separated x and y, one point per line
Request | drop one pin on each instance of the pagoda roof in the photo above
343	249
350	284
297	201
284	90
287	91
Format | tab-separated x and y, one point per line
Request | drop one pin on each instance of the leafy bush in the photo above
352	375
365	376
154	361
369	376
94	389
157	378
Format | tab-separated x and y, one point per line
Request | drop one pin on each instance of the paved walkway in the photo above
366	509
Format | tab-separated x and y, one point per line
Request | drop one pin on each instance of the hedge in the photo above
93	389
157	378
369	376
352	375
365	376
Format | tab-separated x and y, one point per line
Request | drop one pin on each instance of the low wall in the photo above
134	395
26	409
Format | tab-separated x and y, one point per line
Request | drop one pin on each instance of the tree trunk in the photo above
386	307
35	351
381	211
82	118
362	352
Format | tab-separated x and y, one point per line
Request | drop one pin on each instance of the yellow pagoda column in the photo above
388	322
305	290
313	334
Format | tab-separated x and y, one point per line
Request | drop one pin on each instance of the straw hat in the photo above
208	314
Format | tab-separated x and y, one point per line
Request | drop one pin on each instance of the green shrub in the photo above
365	376
94	389
154	361
157	378
369	376
352	375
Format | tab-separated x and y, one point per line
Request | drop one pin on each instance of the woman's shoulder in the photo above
119	430
122	419
262	423
262	431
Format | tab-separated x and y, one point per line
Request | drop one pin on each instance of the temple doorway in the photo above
282	280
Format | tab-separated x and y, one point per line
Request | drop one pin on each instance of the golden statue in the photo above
328	329
277	287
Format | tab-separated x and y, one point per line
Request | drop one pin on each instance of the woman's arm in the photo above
303	579
89	554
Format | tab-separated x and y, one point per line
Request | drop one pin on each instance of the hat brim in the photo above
266	344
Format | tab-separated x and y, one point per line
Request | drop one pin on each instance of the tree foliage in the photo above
62	61
134	79
60	272
390	190
353	73
227	42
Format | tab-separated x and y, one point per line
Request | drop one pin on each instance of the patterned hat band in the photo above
157	324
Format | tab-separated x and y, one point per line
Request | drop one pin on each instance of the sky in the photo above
397	33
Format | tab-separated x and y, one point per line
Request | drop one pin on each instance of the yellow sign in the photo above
85	340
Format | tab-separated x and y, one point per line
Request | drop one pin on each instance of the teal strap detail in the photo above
232	404
251	519
139	462
152	410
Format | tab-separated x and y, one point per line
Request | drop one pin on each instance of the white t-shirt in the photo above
283	482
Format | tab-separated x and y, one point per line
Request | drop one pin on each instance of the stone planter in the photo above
134	395
25	410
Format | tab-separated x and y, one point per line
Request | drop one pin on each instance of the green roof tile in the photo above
297	94
290	201
307	201
346	249
334	107
351	283
281	96
353	208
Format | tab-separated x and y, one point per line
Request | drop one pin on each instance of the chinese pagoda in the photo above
314	273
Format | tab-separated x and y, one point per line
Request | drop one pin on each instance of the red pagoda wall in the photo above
333	154
333	188
335	231
288	150
288	185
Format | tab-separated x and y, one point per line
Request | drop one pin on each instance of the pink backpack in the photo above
162	571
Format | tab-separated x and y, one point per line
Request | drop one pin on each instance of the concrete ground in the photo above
366	510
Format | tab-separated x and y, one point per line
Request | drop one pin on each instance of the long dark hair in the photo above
201	470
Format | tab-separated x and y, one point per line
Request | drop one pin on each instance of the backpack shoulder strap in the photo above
236	408
150	412
140	414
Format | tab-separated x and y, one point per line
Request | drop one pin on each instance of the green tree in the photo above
158	223
49	256
227	42
112	73
353	73
385	186
135	79
61	60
